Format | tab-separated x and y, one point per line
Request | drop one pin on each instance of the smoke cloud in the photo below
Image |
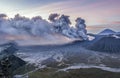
58	28
62	23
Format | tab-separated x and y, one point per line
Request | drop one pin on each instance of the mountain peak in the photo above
107	32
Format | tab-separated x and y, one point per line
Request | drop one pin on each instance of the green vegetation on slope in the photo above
76	73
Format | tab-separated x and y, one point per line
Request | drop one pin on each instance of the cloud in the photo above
3	15
97	10
62	25
36	28
22	25
23	28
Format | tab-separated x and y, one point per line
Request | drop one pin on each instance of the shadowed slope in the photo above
106	44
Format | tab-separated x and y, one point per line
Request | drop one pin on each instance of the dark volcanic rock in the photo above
9	48
16	62
106	44
8	52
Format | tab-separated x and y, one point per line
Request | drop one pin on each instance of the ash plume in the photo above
62	23
39	27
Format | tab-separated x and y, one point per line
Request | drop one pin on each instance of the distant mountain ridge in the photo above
107	32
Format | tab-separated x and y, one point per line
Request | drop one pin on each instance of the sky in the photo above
98	14
95	12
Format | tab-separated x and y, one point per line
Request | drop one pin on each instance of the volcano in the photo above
107	32
106	44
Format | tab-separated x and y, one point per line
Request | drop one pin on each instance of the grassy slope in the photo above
77	73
